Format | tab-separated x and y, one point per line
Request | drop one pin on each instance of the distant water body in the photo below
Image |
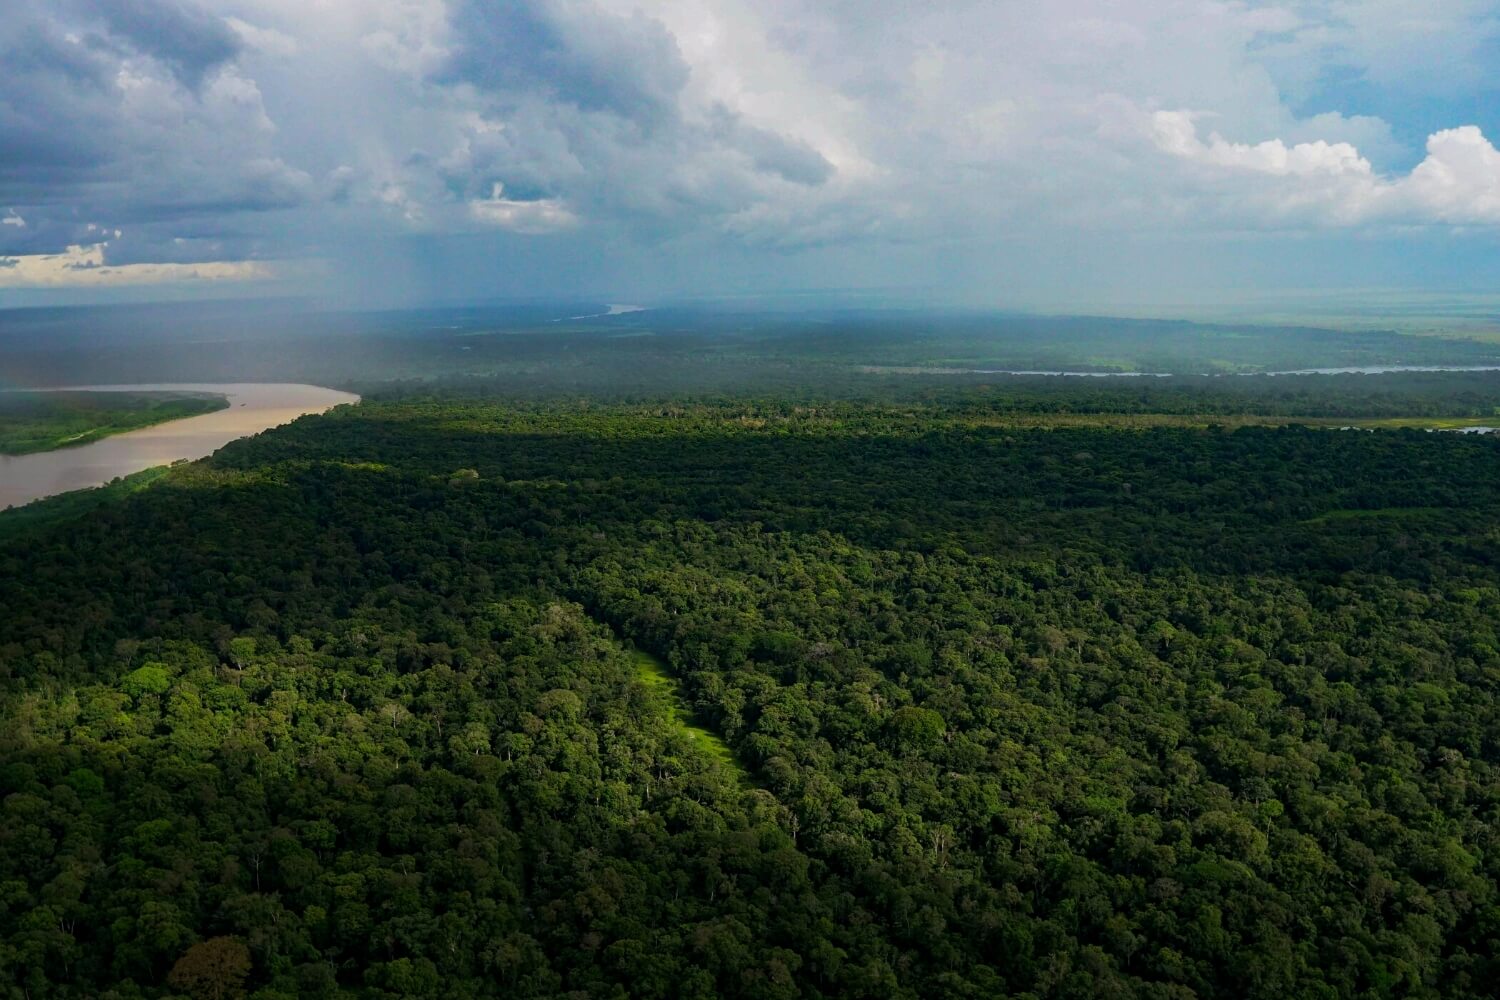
615	309
253	407
1367	370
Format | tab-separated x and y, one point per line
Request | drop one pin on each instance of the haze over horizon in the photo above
1173	157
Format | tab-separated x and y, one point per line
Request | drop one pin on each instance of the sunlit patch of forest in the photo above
942	702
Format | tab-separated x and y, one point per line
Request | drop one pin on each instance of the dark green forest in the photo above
960	703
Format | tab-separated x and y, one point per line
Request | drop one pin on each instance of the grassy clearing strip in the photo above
1137	421
1413	513
1431	423
653	673
18	521
1141	421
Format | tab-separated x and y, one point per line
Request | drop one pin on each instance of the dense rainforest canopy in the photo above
368	706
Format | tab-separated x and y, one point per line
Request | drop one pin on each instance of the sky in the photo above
1041	154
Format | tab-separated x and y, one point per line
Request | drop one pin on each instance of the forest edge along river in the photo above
253	407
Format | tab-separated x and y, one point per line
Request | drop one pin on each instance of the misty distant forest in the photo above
688	653
549	348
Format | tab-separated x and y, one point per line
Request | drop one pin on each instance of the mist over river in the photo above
253	407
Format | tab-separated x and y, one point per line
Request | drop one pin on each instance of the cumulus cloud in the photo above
1176	133
131	111
595	105
85	266
771	152
408	36
573	52
1458	181
543	215
191	41
698	128
264	40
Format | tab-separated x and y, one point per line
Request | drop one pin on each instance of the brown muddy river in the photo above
253	407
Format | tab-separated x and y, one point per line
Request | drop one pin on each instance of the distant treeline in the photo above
657	350
1353	396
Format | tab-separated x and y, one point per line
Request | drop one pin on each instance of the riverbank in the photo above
33	421
252	408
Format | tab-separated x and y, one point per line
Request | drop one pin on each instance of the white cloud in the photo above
267	41
409	36
84	266
1458	182
762	127
1439	47
545	215
926	122
1175	132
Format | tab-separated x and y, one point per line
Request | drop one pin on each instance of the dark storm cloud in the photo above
34	45
718	138
788	158
142	117
598	112
188	39
568	52
52	103
117	113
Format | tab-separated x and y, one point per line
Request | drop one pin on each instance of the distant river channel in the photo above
1367	370
253	407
